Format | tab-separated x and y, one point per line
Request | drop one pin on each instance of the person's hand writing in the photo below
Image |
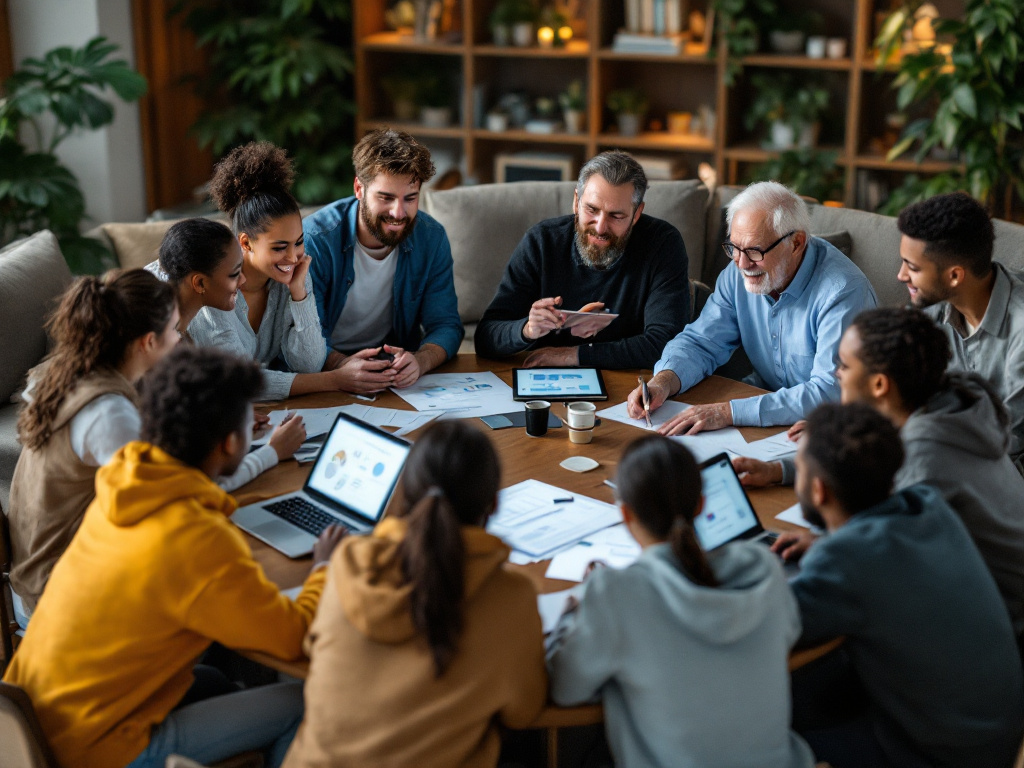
297	285
288	436
698	418
361	374
553	356
325	545
757	474
543	318
405	365
796	430
660	392
791	545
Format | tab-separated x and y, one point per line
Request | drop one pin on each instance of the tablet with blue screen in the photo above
559	384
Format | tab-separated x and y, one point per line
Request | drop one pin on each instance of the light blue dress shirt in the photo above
792	341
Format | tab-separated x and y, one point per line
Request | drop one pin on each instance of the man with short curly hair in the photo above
946	264
382	269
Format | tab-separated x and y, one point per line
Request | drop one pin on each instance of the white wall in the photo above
107	162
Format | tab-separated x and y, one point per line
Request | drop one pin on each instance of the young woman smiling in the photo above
274	315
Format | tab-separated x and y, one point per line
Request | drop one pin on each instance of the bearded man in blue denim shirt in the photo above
382	271
786	298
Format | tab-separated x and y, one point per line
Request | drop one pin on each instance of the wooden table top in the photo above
522	458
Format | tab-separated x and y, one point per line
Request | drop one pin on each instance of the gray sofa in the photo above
33	274
484	224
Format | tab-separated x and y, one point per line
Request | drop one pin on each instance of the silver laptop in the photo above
728	514
351	483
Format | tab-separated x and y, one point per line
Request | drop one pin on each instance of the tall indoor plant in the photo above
279	70
45	101
978	102
740	24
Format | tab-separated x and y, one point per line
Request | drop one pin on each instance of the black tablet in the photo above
559	384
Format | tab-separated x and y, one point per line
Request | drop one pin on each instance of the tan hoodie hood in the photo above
367	572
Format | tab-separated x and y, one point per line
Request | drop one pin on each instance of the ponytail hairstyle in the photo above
92	328
659	480
194	245
451	479
252	185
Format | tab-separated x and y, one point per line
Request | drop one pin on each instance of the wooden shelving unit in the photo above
678	82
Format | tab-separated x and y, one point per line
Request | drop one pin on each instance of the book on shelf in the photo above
655	17
667	45
662	167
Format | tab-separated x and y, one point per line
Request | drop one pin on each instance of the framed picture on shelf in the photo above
533	166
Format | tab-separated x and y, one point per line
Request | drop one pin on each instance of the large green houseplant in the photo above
787	105
977	104
279	70
740	24
45	101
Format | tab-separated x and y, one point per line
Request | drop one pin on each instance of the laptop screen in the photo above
358	467
727	513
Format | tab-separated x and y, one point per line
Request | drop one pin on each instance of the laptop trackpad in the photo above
277	530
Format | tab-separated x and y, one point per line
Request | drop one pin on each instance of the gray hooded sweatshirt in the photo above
689	675
957	443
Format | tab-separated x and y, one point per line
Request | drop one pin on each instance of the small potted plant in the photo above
436	101
788	33
512	21
573	101
791	111
630	107
403	91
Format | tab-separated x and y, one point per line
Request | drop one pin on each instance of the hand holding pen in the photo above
645	398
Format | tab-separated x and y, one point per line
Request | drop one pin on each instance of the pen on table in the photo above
566	500
645	395
367	398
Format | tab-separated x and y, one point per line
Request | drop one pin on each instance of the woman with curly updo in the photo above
274	319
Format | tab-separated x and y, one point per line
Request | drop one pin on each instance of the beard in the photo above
771	280
600	256
812	515
376	224
922	300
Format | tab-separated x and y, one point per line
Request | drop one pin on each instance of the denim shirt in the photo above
425	306
792	341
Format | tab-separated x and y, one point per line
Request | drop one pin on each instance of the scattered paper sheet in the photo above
460	395
615	547
529	518
318	421
703	445
771	448
796	517
552	605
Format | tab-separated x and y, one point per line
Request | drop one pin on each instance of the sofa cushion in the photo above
840	240
1009	247
33	274
135	245
485	224
10	450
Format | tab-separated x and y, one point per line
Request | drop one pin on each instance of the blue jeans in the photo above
208	731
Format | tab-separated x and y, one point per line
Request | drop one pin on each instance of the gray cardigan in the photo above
689	676
289	330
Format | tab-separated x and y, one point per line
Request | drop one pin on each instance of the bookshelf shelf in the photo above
690	81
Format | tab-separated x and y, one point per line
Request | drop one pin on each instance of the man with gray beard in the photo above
786	298
607	257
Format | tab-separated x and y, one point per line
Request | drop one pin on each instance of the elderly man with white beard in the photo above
786	298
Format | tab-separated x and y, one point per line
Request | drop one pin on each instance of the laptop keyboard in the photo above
300	513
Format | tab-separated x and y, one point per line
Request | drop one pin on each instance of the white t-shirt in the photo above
369	307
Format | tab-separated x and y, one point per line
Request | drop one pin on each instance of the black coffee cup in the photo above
537	417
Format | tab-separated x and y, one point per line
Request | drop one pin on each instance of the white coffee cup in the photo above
816	47
836	47
581	415
582	436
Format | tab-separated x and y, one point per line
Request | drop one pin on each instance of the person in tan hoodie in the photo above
424	641
154	575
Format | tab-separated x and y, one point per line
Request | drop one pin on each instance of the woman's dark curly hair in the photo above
252	185
194	398
908	347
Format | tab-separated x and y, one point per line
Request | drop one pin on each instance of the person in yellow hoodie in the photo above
424	641
155	574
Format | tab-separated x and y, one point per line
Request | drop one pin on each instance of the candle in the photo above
545	37
565	33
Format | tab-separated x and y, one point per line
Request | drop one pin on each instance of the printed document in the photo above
460	395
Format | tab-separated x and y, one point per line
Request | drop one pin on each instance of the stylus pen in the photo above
566	500
645	395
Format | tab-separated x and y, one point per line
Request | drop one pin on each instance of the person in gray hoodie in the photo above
955	433
925	630
687	651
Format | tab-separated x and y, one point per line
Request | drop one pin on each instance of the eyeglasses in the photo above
753	254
